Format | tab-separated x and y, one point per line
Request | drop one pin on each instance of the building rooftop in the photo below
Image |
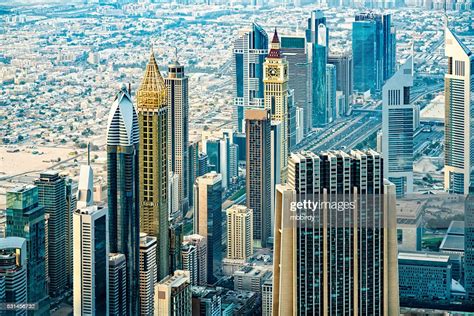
423	257
456	228
452	243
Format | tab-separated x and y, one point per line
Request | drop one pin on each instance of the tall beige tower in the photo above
153	121
275	79
239	232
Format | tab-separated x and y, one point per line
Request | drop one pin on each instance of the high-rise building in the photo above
275	167
458	126
173	295
153	121
148	273
397	129
295	50
249	52
367	69
71	206
91	261
349	229
176	239
239	232
193	167
207	301
194	257
208	218
469	244
13	273
276	95
267	297
378	65
317	36
25	219
117	284
344	77
258	182
52	196
216	150
331	92
122	189
178	128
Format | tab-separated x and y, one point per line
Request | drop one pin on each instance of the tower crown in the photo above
275	46
152	91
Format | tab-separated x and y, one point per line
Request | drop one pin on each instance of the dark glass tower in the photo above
122	175
317	35
52	196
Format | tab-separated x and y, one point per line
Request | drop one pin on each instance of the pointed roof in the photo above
450	35
122	125
275	51
152	82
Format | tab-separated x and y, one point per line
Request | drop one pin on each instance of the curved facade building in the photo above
123	186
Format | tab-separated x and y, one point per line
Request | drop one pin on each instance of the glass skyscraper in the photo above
122	189
250	50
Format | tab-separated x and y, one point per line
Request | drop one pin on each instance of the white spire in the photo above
86	187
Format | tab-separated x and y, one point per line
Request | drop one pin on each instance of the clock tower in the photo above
275	79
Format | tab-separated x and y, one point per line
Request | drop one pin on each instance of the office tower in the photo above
148	273
275	167
291	127
351	236
173	194
295	50
193	166
424	277
194	256
91	261
117	284
52	196
458	133
208	218
249	52
207	301
176	239
258	182
276	95
123	187
397	129
153	121
239	232
251	278
71	206
331	92
317	36
203	165
469	244
367	69
267	297
379	64
173	295
178	128
25	218
216	150
13	268
344	77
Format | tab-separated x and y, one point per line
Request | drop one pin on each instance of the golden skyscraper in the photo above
275	79
152	119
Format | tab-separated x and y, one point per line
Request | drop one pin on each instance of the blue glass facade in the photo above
364	54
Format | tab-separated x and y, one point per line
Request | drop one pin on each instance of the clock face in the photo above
273	72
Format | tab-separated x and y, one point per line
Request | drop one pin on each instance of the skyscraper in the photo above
250	50
117	284
276	95
317	35
331	92
91	261
208	218
458	126
344	77
397	129
178	124
52	196
194	256
122	189
469	245
295	50
173	295
148	273
153	121
25	219
351	236
258	182
13	268
71	206
239	232
381	36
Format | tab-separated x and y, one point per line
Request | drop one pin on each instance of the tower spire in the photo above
275	46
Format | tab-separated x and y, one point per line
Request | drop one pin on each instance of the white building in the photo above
148	273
